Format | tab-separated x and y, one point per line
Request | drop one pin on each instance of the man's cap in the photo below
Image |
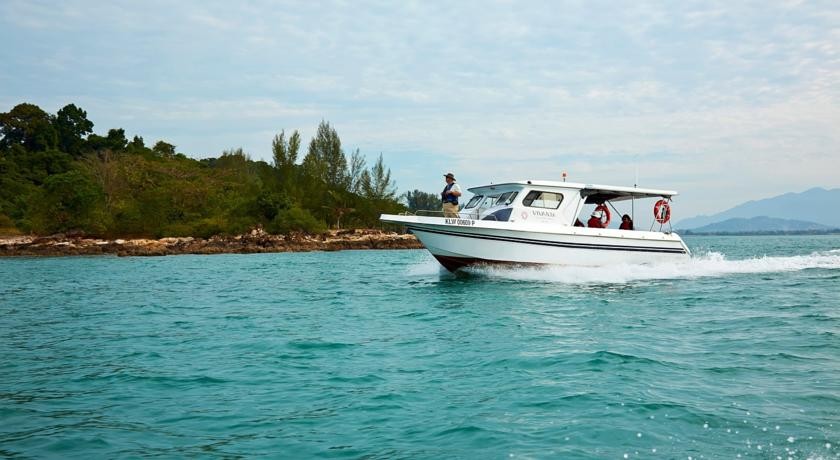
449	176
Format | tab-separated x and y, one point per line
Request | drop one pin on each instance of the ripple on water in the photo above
380	354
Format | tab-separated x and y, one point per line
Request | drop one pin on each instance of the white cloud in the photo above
731	93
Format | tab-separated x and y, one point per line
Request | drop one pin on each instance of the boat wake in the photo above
710	264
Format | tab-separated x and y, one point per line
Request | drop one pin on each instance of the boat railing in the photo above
424	213
433	213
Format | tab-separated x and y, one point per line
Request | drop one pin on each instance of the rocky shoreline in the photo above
257	241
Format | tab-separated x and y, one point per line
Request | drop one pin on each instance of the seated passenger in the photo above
626	223
578	223
596	220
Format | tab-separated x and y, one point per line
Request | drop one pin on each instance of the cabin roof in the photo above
593	193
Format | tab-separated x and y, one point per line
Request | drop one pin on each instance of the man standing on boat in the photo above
450	195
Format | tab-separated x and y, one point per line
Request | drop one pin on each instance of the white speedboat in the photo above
533	222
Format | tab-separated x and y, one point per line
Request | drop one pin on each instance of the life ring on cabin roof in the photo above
662	211
606	213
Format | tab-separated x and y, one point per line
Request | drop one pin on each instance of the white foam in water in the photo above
709	264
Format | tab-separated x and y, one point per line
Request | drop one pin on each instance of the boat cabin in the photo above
546	201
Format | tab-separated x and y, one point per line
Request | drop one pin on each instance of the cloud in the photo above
732	93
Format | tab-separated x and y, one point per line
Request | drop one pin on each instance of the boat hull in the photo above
456	243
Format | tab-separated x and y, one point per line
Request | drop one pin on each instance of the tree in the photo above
114	141
71	201
285	153
164	149
296	219
357	170
280	150
294	147
137	146
29	126
269	204
104	168
325	160
418	200
72	126
49	184
380	186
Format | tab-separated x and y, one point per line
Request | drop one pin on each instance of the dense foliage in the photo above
417	200
56	175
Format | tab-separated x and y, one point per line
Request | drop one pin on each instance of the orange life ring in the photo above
606	210
662	211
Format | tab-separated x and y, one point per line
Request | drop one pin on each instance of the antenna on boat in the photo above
635	185
636	167
564	175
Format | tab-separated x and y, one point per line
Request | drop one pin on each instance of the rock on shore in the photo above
255	241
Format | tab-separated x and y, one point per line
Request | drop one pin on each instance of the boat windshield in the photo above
474	201
488	202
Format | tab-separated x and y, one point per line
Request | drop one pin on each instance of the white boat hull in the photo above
460	242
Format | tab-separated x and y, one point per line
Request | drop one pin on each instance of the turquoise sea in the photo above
382	354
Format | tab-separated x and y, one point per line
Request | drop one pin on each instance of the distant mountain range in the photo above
761	225
816	209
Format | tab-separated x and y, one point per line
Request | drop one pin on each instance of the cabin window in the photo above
538	199
474	201
505	198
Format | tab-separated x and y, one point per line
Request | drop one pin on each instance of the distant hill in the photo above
761	224
816	205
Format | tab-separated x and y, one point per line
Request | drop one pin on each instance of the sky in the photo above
722	101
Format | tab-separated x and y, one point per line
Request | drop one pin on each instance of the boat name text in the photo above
540	213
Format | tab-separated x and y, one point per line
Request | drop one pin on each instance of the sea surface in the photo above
382	354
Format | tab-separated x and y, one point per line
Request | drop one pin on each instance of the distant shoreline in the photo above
257	241
761	233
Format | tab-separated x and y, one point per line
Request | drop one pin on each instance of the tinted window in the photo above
506	198
474	201
538	199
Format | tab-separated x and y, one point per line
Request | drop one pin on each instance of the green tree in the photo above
357	173
325	160
72	126
137	146
269	204
114	141
418	200
29	126
127	189
285	153
163	149
70	201
294	147
16	189
36	166
380	186
296	219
